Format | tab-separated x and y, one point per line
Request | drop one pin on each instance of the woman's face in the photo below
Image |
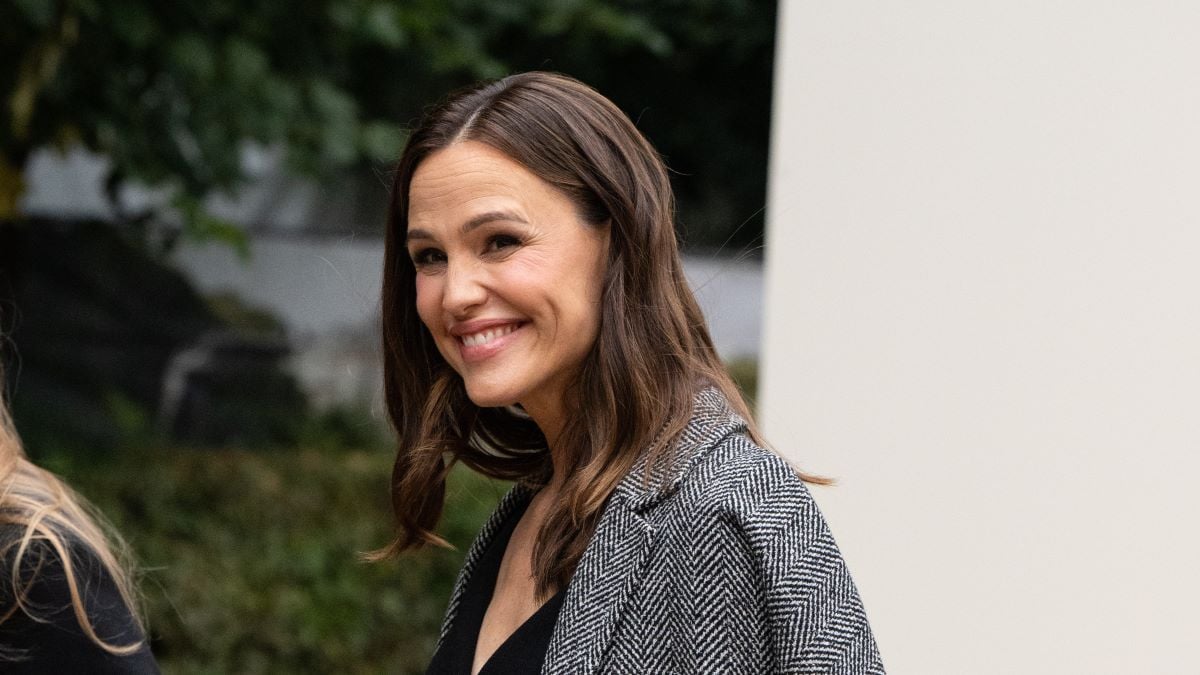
509	276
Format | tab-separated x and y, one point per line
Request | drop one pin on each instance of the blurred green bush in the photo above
744	372
250	558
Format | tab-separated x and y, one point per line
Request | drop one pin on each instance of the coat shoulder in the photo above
781	570
745	481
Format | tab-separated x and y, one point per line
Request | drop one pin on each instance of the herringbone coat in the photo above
722	565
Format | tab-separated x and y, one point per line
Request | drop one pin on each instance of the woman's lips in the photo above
488	342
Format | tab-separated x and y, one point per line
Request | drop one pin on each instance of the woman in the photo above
66	602
537	327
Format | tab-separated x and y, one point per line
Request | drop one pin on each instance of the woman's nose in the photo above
464	288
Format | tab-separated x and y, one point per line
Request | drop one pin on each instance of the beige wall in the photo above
983	316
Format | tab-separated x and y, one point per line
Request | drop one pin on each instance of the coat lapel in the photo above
605	581
612	568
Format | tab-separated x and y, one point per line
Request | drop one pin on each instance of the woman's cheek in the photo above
427	301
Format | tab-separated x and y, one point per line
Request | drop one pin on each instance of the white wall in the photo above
983	316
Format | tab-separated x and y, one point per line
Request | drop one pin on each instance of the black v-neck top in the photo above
524	650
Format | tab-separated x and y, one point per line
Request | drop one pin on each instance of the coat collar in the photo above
611	569
712	420
608	573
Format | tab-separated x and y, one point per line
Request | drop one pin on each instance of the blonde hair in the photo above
50	517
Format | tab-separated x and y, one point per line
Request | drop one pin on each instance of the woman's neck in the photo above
549	419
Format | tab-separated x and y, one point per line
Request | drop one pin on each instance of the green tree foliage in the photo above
171	91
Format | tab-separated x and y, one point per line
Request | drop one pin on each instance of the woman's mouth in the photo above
486	336
486	343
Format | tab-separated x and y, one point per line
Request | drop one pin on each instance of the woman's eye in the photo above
428	256
502	241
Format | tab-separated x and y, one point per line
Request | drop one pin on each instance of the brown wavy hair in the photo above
635	390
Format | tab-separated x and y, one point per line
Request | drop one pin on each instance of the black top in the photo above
524	650
57	643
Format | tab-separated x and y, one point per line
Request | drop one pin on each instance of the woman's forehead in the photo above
464	171
469	178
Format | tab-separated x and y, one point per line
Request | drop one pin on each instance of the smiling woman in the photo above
519	308
537	327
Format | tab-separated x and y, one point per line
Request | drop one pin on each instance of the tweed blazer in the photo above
721	564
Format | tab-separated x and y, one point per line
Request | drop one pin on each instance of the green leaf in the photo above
383	24
132	419
280	104
630	28
381	141
342	15
132	23
338	116
246	63
191	55
330	101
38	12
201	226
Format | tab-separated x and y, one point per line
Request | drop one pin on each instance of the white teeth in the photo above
484	337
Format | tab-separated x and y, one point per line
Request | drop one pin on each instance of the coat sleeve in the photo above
815	621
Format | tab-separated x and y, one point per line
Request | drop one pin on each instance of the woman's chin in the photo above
490	397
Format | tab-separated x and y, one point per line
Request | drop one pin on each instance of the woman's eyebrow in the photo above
474	222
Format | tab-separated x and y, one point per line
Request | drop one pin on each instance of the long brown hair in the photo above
635	390
41	517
